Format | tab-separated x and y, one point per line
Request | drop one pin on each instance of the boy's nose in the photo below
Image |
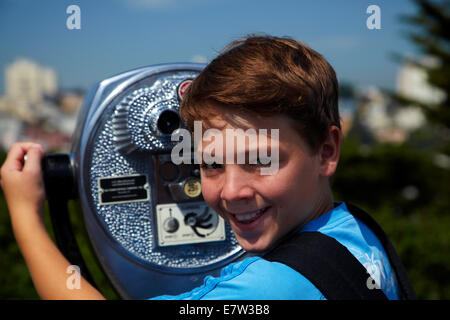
237	185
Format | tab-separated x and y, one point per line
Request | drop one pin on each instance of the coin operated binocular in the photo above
145	216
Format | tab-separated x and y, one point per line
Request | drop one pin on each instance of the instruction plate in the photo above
123	189
187	223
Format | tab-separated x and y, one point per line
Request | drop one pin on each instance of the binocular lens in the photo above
168	121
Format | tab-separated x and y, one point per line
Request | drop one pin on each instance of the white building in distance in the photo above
27	84
391	122
412	82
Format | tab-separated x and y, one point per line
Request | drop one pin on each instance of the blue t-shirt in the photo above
255	278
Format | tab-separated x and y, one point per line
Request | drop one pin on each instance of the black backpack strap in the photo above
404	283
333	269
328	265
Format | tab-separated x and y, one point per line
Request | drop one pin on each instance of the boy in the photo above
259	82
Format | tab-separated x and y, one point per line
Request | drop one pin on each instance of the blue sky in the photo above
119	35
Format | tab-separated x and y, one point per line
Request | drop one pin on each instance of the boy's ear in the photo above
329	152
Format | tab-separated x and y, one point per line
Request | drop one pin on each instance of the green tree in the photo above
404	186
430	33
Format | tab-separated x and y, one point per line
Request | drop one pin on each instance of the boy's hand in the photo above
22	182
24	190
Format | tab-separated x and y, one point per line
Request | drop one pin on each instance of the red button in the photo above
183	87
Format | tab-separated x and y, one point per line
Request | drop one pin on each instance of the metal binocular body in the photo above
145	216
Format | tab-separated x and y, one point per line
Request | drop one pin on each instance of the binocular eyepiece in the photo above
167	122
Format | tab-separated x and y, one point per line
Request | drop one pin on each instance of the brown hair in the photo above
267	75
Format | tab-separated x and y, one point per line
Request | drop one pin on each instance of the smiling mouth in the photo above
247	218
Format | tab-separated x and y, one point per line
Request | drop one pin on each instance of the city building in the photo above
388	121
34	109
28	85
412	82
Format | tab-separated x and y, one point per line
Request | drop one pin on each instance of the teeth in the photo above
243	217
247	216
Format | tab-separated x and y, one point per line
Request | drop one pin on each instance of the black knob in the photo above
191	219
171	225
58	177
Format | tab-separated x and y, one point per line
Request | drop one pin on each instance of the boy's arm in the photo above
24	191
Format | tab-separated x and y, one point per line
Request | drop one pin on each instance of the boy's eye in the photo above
261	162
211	166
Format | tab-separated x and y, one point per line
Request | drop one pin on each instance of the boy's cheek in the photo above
212	198
209	193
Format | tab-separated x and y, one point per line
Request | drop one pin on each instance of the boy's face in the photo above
263	208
